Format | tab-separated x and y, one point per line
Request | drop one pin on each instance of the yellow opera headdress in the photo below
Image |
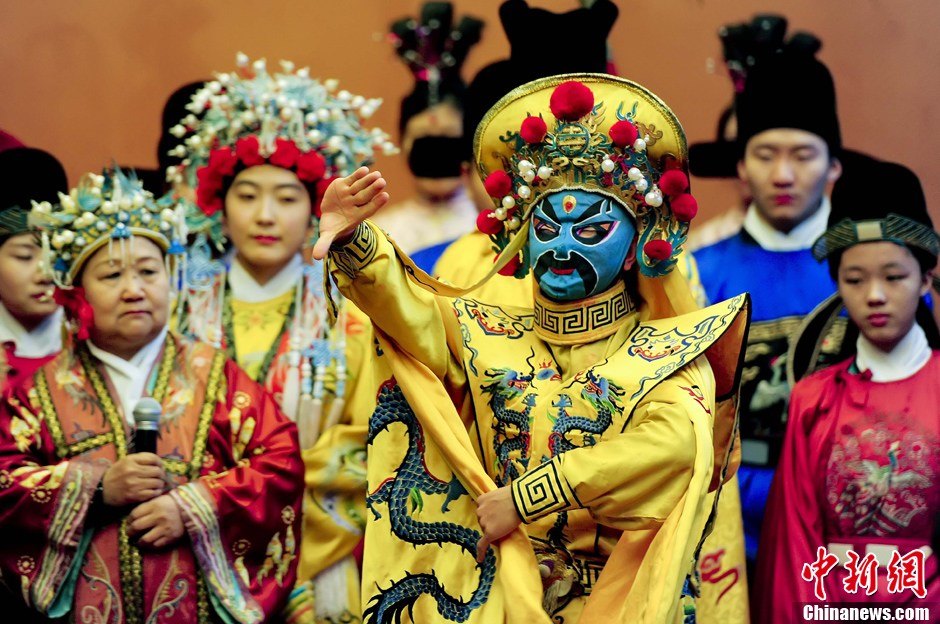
591	132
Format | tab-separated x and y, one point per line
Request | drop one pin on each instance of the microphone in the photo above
147	415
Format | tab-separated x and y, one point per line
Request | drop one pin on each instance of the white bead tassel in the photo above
331	590
290	396
308	418
339	359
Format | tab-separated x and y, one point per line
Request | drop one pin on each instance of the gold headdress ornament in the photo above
108	209
592	132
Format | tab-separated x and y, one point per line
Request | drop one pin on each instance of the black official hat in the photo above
744	45
526	28
789	90
859	217
26	175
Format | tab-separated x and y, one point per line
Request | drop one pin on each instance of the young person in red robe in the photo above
92	527
855	501
30	320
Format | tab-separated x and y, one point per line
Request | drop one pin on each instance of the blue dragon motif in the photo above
602	394
511	426
411	481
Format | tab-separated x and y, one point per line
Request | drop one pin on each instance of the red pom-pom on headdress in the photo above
571	101
674	182
248	151
684	207
498	184
77	309
623	133
488	223
311	167
510	269
533	129
285	154
658	249
222	161
322	185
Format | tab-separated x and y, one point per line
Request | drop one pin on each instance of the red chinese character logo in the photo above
863	571
907	572
817	571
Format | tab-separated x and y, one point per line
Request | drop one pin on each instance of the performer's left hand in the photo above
158	522
498	518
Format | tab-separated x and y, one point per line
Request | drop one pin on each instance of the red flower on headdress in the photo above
571	101
623	133
77	309
684	207
533	129
498	184
674	182
209	190
310	166
511	266
488	223
658	249
222	161
247	150
285	154
322	185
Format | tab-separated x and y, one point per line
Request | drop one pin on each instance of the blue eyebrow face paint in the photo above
578	242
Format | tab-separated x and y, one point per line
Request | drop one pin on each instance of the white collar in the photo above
909	356
129	377
801	237
44	340
245	288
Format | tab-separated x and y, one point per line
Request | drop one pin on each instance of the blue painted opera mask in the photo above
578	242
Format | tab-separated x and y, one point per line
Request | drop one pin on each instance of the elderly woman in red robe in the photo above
204	527
855	502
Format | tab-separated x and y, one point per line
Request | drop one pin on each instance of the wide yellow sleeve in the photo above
633	479
370	274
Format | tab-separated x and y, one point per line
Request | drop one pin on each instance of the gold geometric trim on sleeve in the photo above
357	253
542	491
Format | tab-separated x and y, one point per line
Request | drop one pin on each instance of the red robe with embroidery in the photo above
14	369
233	467
860	470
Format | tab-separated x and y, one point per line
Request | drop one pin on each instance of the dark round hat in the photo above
26	175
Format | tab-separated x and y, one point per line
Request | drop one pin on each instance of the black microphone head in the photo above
147	414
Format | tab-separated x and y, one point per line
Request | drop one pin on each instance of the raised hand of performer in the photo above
498	518
346	203
157	522
136	478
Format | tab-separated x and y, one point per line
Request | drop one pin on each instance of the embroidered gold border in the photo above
205	416
129	556
357	253
50	416
583	320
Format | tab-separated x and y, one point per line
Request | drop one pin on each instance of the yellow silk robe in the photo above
722	563
603	423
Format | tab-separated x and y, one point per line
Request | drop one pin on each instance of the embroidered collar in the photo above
245	288
801	237
129	377
585	320
44	340
909	356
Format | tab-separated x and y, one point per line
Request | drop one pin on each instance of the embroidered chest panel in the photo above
528	412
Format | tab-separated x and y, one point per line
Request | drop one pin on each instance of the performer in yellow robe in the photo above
259	149
601	419
201	528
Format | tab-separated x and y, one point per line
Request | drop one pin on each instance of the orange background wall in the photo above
87	80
